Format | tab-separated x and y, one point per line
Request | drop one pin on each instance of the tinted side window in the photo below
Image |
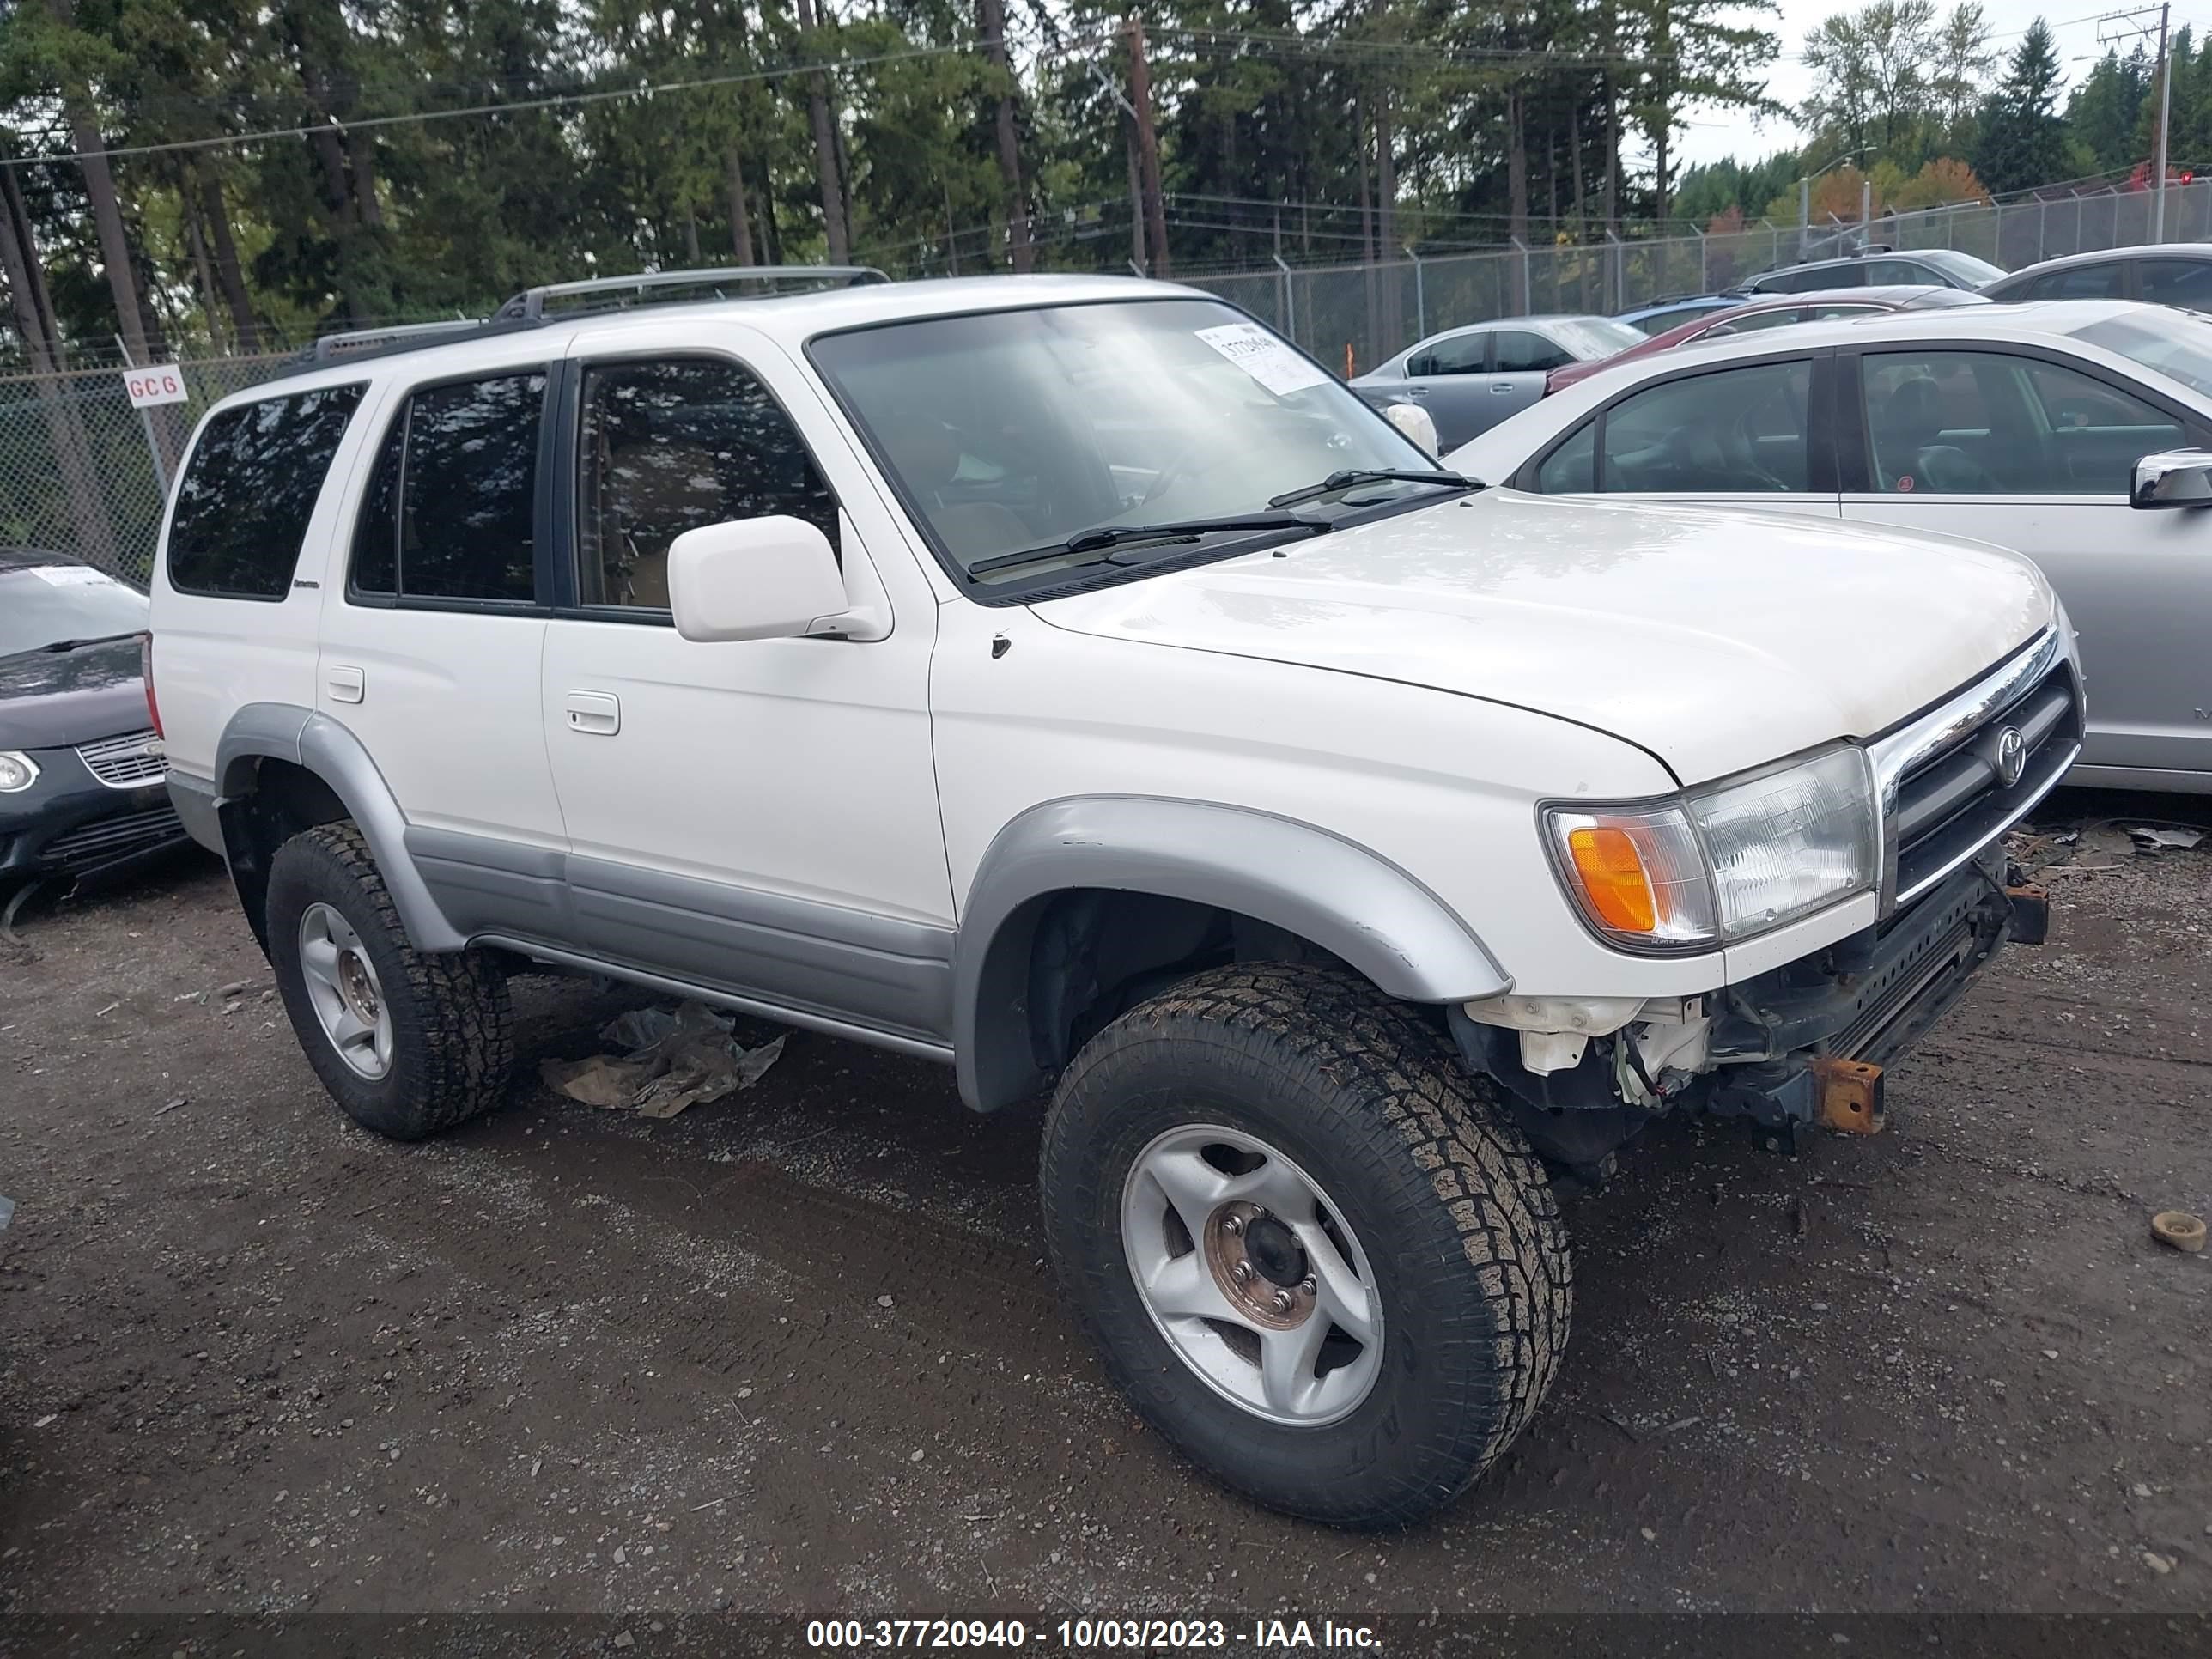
1978	423
2105	282
2178	283
670	446
244	502
1571	469
1755	321
450	510
1463	354
1520	352
1738	430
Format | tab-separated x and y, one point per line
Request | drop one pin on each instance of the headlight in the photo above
17	771
1723	863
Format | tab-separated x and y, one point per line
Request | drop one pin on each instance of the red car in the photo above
1771	311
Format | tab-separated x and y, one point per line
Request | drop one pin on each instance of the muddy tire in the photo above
1262	1149
407	1044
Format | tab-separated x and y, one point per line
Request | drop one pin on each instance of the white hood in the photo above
1715	640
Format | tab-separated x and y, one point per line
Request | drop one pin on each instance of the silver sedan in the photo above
1470	378
2077	434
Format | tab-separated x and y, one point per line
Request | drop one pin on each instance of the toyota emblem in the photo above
2010	755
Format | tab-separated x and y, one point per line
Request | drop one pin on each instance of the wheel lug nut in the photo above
1282	1301
1307	1285
1242	1272
1233	1225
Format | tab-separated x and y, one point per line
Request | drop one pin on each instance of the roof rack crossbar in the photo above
530	303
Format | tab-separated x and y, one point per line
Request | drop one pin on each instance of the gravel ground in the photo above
796	1352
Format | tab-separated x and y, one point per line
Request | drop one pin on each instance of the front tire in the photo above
1317	1259
408	1043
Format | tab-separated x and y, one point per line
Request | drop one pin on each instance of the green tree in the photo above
2022	141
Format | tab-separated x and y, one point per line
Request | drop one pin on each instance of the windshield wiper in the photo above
78	644
1359	476
1105	536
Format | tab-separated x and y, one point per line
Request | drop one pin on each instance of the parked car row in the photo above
1469	379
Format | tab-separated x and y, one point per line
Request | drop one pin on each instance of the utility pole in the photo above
2115	27
1148	147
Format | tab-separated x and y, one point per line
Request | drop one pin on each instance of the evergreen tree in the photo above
2022	141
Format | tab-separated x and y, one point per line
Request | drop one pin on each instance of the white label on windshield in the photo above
1264	357
72	575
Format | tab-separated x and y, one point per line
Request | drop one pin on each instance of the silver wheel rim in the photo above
1252	1275
345	993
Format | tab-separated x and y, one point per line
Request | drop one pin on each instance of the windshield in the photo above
1016	429
1595	337
1959	267
44	602
2179	345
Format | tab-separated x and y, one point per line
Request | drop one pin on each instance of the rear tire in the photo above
408	1043
1404	1208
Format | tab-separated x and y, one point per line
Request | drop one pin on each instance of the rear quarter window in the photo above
249	489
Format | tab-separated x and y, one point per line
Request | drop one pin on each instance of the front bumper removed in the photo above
1805	1044
1799	1048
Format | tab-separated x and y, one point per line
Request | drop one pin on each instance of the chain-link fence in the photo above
84	473
1366	313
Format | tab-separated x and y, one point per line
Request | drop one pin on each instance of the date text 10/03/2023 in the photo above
1087	1635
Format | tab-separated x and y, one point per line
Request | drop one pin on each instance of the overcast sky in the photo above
1713	134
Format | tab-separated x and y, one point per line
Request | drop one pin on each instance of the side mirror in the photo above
1414	422
2173	477
754	579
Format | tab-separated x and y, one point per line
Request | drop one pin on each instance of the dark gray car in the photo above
2164	274
1470	378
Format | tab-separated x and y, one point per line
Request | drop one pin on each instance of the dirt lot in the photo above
796	1352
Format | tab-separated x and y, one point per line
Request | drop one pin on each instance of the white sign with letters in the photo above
151	387
1264	357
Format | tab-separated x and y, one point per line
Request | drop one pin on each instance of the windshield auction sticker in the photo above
1264	357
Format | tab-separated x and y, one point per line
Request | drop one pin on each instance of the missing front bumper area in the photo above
1794	1050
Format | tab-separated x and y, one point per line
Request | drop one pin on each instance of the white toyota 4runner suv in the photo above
1069	681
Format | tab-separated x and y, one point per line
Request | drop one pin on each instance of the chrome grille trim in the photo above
125	762
1948	727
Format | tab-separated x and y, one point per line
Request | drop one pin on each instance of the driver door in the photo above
2035	454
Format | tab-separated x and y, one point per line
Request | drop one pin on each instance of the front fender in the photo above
1329	891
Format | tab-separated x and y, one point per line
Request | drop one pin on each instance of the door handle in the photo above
594	714
345	684
1501	385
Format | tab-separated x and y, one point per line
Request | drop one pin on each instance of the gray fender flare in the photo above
1339	896
288	732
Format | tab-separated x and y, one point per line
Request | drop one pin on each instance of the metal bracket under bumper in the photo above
1799	1034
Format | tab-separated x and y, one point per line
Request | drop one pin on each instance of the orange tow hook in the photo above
1850	1096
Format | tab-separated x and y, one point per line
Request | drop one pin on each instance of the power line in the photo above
552	100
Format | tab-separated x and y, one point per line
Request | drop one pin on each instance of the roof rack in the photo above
353	342
528	309
617	291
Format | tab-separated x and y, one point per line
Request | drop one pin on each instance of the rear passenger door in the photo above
432	641
1743	435
762	816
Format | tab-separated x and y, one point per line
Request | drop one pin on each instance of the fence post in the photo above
1420	295
1290	313
1528	300
1704	285
1614	256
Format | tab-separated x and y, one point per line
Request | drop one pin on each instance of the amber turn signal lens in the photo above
1613	879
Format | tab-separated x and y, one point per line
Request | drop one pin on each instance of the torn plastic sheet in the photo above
676	1058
